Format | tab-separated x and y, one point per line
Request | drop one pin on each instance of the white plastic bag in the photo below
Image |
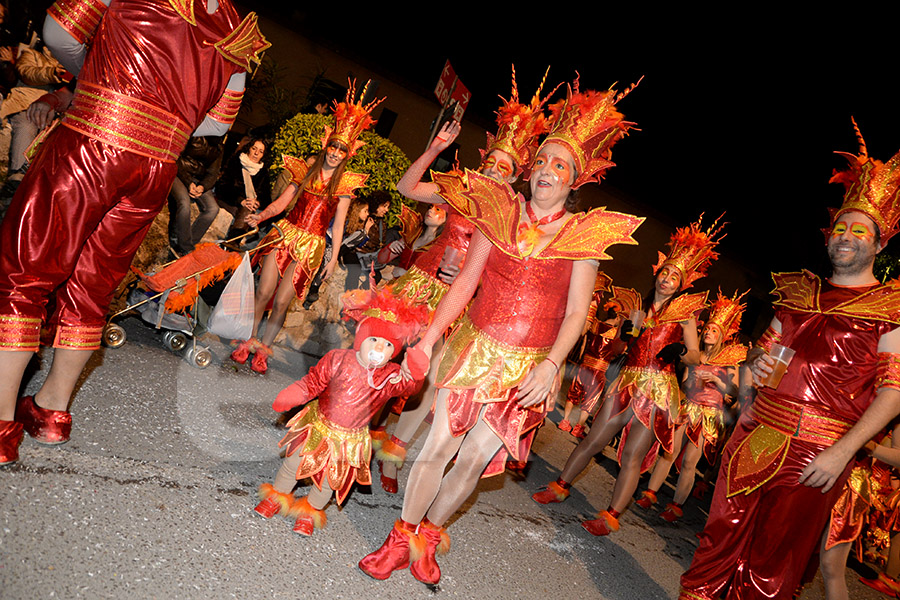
233	315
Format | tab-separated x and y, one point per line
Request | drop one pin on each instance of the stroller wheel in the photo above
175	341
199	356
113	336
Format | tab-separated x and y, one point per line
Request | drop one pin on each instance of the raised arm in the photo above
540	381
411	184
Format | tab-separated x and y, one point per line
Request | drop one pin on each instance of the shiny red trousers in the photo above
73	227
760	543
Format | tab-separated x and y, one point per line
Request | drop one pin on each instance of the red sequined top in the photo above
346	397
705	394
836	354
313	212
521	301
133	30
456	234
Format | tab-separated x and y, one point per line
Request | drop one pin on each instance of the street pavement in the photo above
153	498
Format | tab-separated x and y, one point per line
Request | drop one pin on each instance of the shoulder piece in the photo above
492	206
185	8
628	298
799	291
79	18
243	45
349	182
587	235
729	356
682	308
881	303
296	167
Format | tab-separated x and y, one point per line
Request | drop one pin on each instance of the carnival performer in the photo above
706	387
602	344
788	459
519	126
329	440
644	402
535	263
323	188
101	177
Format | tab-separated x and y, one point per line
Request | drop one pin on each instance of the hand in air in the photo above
445	136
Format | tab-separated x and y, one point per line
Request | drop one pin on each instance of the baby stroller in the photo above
169	298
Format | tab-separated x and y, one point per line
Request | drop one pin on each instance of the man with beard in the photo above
792	450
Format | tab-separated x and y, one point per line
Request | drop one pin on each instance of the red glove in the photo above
417	361
291	396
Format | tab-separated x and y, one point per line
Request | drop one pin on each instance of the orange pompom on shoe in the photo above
647	499
394	552
273	501
308	517
604	524
554	493
425	567
46	426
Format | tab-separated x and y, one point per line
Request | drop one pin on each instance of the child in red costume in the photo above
329	440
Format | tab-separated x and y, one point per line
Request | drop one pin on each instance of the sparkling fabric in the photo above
704	409
456	234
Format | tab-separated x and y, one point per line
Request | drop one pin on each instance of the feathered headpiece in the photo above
691	250
351	119
725	313
519	125
382	314
873	188
587	124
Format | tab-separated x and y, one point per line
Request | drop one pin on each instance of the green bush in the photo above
384	162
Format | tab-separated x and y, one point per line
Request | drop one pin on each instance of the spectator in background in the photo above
244	186
198	170
361	264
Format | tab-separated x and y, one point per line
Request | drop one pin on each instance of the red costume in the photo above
647	384
600	346
332	434
763	524
304	227
515	317
100	179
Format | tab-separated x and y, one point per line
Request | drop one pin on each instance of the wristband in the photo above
552	362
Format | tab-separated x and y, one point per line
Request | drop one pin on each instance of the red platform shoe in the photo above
425	567
273	501
46	426
553	493
578	432
647	499
565	425
388	484
392	450
604	524
672	513
11	434
394	553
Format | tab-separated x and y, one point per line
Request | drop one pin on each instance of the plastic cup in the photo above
783	356
450	259
637	320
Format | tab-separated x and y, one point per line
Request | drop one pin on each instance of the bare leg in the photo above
283	297
413	416
584	417
56	393
692	456
476	452
637	445
268	283
428	470
568	410
604	430
892	569
12	365
664	464
833	564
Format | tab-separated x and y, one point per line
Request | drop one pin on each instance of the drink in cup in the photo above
450	259
782	356
637	320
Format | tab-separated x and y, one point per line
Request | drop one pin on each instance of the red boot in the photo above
578	432
672	513
425	567
260	362
394	553
46	426
565	425
308	517
647	499
242	352
604	524
273	501
11	434
553	493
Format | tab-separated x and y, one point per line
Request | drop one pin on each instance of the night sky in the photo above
738	113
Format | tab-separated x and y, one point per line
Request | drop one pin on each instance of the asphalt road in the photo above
153	498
